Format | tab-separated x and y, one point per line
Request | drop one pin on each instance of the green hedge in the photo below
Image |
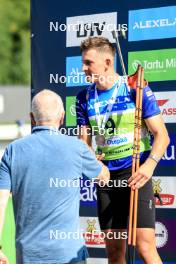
8	234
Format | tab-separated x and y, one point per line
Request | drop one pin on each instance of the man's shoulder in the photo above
20	141
16	145
71	140
74	145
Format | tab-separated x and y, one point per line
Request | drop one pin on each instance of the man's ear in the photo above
108	62
33	123
62	118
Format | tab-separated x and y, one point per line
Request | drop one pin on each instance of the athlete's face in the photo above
94	64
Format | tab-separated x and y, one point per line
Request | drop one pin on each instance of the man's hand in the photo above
104	175
142	175
3	258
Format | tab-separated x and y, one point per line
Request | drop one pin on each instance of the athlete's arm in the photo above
161	140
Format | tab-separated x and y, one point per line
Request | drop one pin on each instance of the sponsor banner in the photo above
119	140
70	111
96	25
93	236
165	187
74	74
88	192
161	234
152	23
167	105
165	233
169	158
159	65
91	231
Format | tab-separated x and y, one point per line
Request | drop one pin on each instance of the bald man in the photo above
42	171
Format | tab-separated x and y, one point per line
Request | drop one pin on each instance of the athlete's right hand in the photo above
132	79
100	157
3	258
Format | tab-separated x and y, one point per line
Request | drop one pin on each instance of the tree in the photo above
14	42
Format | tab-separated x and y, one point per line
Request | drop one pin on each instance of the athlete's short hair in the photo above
98	43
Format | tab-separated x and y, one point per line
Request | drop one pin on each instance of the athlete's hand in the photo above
132	80
142	175
100	157
3	258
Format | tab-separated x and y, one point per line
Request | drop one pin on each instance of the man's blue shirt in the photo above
42	170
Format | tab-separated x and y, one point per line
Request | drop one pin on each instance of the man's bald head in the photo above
47	108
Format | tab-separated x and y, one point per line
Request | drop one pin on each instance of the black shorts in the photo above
113	203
